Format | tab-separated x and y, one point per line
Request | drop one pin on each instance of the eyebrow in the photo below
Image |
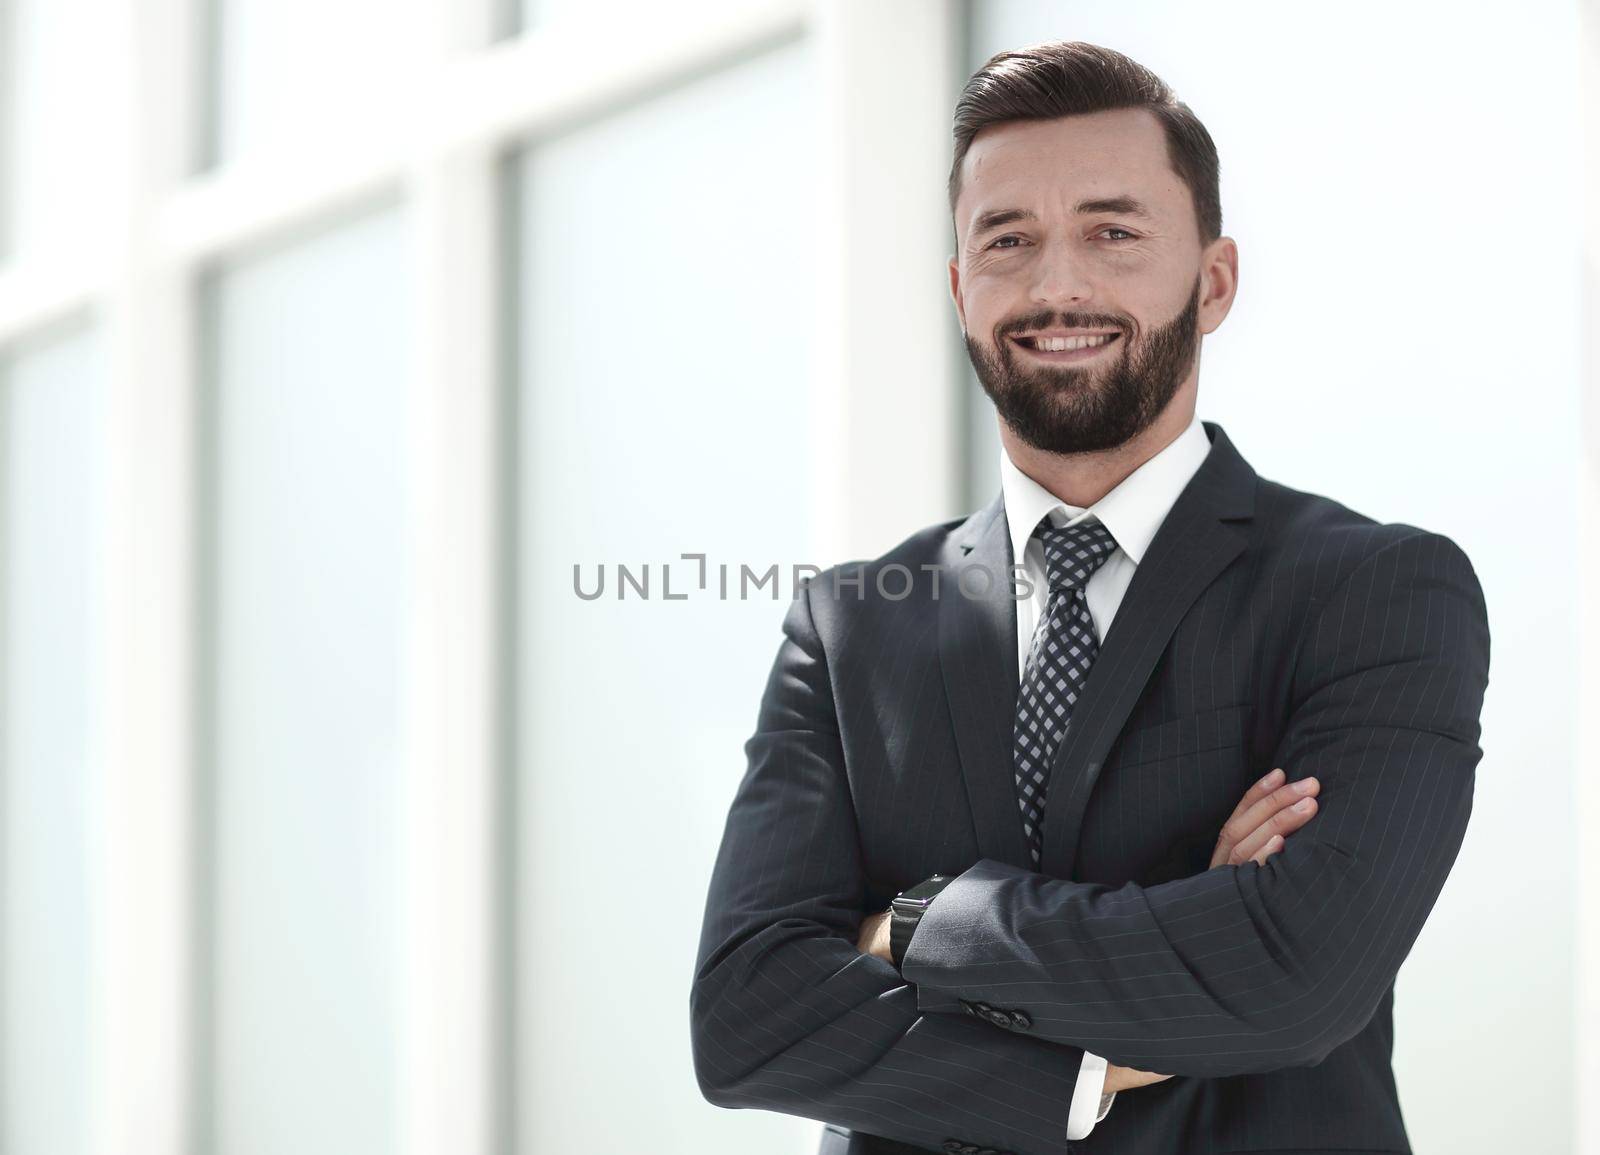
1124	204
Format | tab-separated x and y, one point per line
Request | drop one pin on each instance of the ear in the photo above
955	294
1219	275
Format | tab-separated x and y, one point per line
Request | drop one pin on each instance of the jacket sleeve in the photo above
786	1014
1255	967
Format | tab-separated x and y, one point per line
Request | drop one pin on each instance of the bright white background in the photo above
333	333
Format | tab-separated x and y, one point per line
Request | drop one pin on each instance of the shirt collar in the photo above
1133	511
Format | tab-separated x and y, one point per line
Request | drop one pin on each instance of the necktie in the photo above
1063	648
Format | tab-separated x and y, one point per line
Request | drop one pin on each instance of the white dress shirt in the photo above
1133	511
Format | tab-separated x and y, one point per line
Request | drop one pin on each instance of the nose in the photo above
1059	277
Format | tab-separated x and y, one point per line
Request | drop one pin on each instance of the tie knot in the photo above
1072	553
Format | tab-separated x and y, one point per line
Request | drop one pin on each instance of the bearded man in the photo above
1122	847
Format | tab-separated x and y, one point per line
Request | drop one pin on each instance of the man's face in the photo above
1078	228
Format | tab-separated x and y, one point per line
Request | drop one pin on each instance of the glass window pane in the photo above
306	525
665	326
282	68
50	410
54	55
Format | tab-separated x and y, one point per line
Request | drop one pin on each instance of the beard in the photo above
1072	409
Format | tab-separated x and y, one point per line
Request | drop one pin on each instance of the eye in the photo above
995	244
1116	229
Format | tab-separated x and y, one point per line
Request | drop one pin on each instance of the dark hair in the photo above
1070	78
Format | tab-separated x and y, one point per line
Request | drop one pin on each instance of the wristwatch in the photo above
906	911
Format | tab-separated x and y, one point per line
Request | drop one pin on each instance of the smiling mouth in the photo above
1074	348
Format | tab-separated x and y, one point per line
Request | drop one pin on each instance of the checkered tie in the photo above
1064	647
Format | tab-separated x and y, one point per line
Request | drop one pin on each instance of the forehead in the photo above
1048	165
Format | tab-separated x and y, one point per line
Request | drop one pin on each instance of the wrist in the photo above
906	911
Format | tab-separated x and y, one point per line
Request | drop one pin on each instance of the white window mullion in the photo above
887	390
450	847
451	751
144	973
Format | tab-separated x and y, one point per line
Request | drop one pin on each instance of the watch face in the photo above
924	892
927	888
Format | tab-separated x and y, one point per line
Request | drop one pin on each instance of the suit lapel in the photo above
1194	544
978	656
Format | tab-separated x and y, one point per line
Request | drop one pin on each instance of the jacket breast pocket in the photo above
1160	802
1215	729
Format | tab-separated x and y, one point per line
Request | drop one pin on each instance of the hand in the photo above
874	936
1267	814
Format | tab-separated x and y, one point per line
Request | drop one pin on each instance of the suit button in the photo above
952	1144
968	1007
1021	1019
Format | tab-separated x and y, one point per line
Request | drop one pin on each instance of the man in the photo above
1036	770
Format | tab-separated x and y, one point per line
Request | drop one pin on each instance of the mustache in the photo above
1052	320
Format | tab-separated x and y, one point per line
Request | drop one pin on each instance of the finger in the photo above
1234	827
1273	845
1280	825
1232	846
1127	1078
1282	798
1268	782
1249	818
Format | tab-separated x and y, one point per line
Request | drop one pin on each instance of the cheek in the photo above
991	294
997	270
1145	279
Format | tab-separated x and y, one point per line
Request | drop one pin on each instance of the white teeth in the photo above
1062	344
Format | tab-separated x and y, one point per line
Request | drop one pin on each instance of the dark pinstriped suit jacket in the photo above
1264	627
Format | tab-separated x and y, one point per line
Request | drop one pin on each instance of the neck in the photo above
1081	479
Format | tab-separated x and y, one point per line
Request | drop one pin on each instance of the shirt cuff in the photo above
1086	1094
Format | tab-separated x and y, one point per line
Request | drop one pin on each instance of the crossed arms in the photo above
1239	969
